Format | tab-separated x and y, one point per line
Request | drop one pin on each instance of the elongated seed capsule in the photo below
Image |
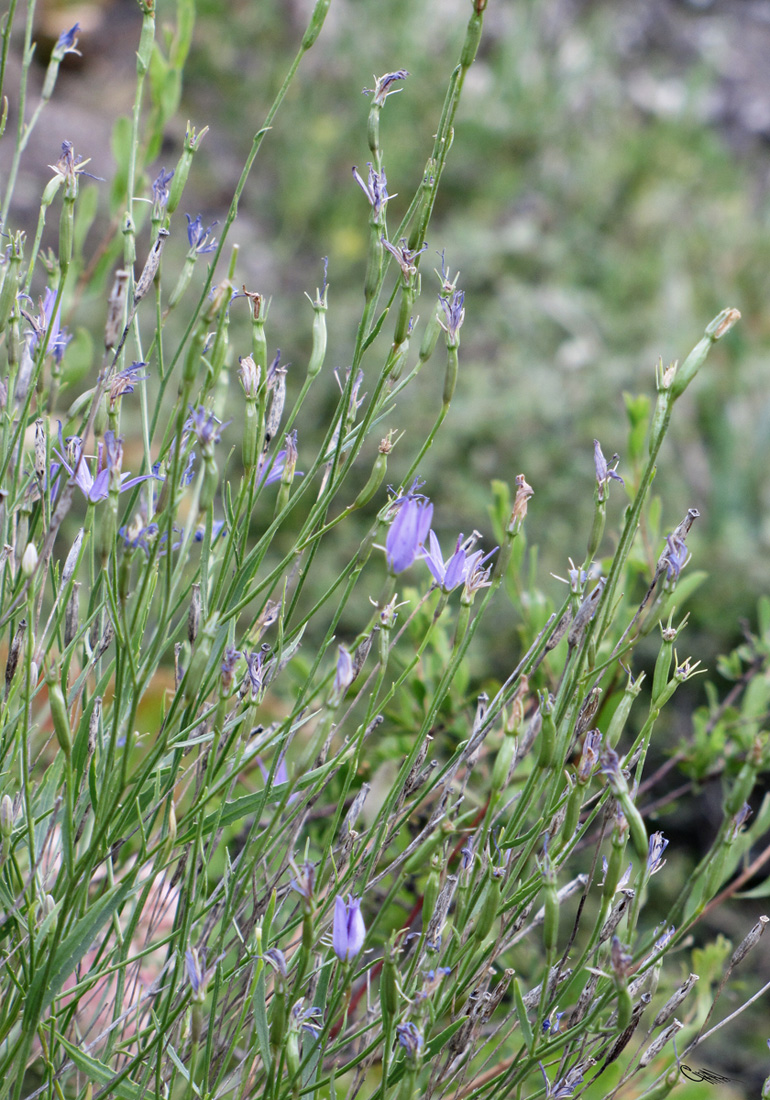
193	357
502	765
623	709
489	905
390	1001
72	615
209	483
425	851
636	827
405	313
59	715
318	350
750	940
715	330
472	39
547	738
551	919
316	22
663	665
376	477
431	891
277	1019
116	309
151	266
450	378
674	1001
614	865
742	787
273	421
572	816
10	287
181	172
194	616
66	232
373	263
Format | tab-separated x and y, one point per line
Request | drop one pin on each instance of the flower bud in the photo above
29	560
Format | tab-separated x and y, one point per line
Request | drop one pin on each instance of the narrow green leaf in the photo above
46	982
99	1074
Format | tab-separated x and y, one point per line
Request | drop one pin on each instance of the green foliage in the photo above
266	829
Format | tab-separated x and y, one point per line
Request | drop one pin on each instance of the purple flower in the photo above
603	471
142	538
376	190
198	236
349	931
254	671
227	667
125	380
675	557
273	471
160	190
408	530
658	845
382	84
49	327
455	315
308	1019
96	486
66	43
459	567
589	756
566	1085
552	1023
217	528
196	974
205	425
410	1038
405	256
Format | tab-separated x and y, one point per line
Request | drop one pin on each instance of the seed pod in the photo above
547	739
674	1001
472	39
390	1001
502	765
489	904
741	788
116	309
318	350
450	377
151	267
182	171
66	231
551	921
13	654
209	484
194	616
373	264
59	714
316	22
71	616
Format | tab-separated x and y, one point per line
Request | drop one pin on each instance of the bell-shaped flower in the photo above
348	930
95	485
459	567
408	531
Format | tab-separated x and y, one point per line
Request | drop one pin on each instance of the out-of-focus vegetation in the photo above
597	212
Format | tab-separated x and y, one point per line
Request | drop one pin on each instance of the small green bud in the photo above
59	713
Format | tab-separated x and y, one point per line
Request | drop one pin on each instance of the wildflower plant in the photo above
261	834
